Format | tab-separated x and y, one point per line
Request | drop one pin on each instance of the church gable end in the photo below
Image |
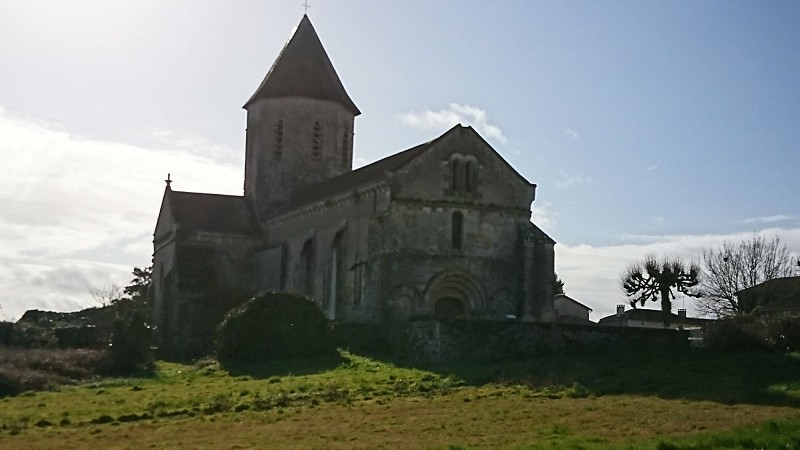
461	167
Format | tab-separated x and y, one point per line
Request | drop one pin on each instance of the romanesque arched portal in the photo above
453	295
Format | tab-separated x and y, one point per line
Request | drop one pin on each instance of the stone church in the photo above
441	230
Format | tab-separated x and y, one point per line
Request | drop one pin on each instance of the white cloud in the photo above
767	219
195	143
77	212
568	180
591	273
652	167
455	114
543	214
572	134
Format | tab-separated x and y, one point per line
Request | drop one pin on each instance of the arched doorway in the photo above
449	308
453	295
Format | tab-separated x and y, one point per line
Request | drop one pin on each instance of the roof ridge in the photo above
205	193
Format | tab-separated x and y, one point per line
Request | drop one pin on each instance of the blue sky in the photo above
648	126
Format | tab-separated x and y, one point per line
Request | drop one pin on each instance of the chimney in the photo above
682	313
620	309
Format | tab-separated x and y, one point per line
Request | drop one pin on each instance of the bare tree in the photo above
653	279
737	266
105	295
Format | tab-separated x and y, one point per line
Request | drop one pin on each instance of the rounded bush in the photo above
273	325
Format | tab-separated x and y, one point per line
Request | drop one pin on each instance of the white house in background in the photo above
652	318
569	310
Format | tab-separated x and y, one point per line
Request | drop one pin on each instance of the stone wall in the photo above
442	342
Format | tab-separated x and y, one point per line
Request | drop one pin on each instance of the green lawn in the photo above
624	399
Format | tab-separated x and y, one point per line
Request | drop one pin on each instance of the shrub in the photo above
273	325
129	345
27	335
781	333
36	369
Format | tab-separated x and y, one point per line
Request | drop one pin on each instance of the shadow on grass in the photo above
283	367
693	374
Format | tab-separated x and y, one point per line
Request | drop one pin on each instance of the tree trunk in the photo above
666	307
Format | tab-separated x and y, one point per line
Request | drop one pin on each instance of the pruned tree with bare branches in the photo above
653	279
736	266
105	295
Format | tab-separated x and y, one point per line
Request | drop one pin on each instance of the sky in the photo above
659	127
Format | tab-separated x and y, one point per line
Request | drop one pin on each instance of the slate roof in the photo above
303	69
212	213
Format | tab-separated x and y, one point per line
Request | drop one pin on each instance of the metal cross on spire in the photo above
168	180
306	6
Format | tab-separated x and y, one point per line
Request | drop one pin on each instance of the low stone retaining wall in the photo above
440	342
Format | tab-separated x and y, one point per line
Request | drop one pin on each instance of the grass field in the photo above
625	399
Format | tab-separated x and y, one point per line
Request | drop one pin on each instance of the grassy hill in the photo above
623	399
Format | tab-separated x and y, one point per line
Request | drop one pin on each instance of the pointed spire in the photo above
303	69
169	182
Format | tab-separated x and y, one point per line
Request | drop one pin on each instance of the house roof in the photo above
784	285
531	232
650	315
303	69
212	213
568	298
786	304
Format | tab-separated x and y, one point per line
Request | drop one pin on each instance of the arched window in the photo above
457	230
277	151
307	266
316	141
458	174
284	265
358	282
472	175
345	147
335	276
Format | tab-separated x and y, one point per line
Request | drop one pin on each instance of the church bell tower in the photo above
299	125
